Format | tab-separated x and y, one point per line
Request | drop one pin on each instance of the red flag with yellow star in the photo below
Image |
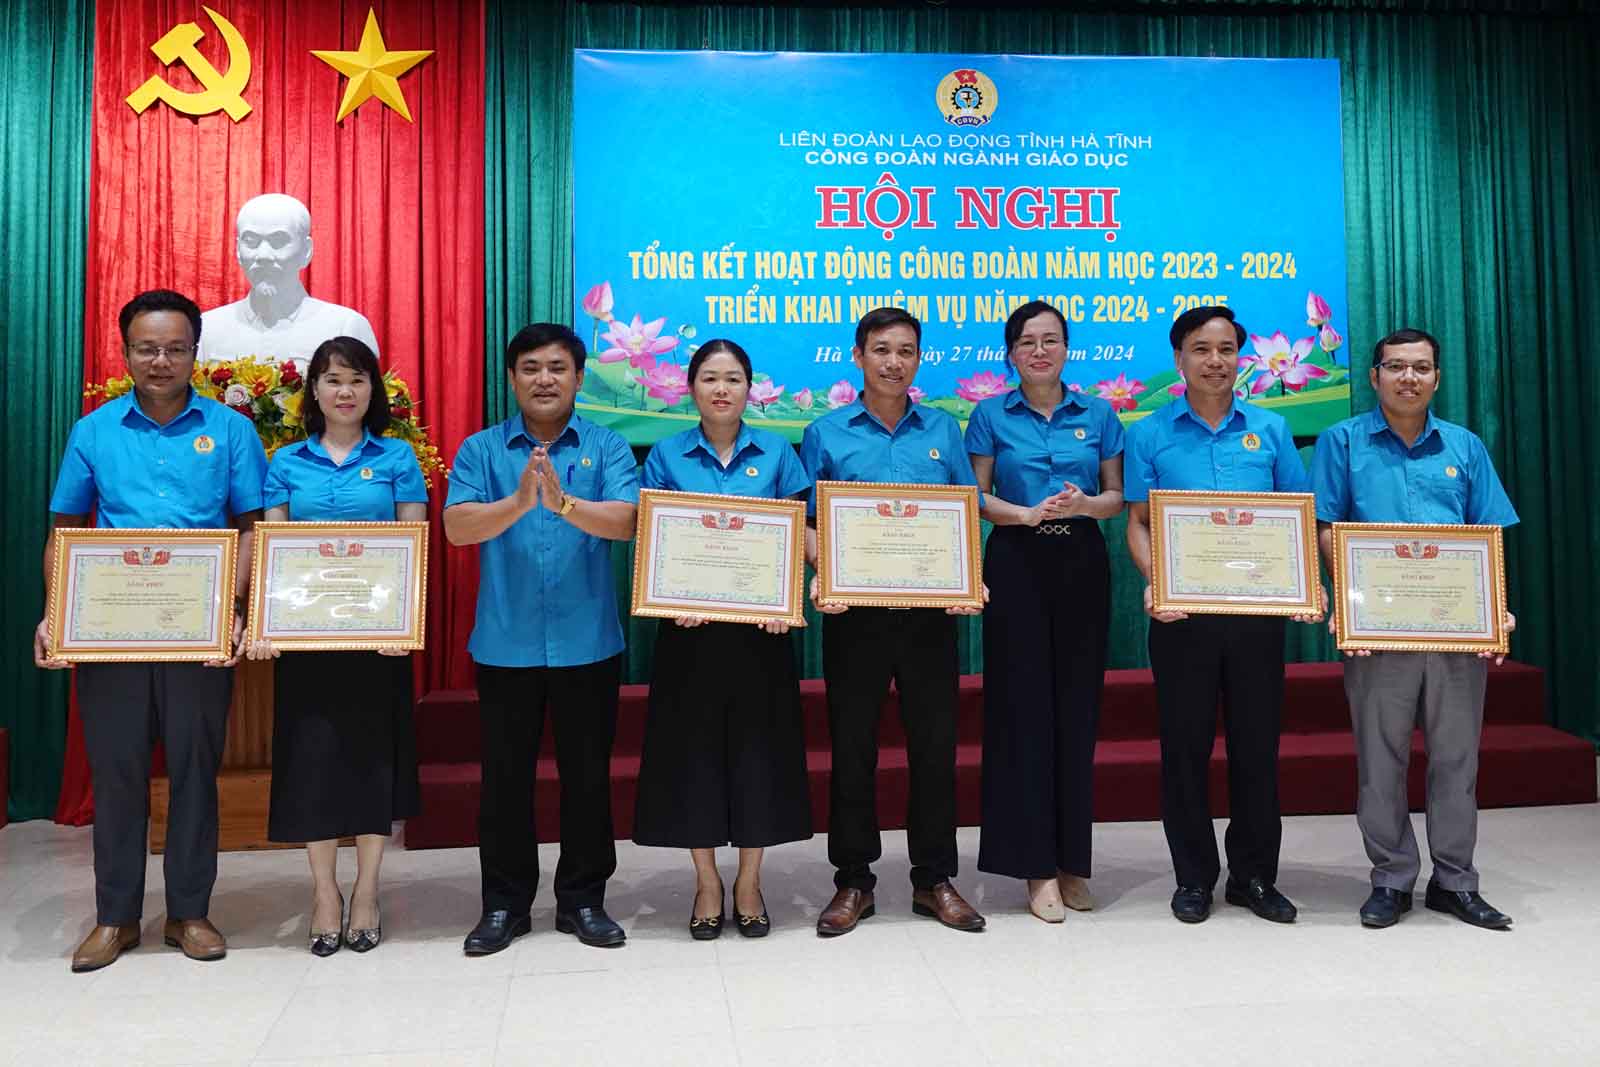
370	116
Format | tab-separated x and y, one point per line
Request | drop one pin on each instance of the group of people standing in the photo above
545	492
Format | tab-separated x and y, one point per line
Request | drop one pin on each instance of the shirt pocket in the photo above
1444	497
1254	471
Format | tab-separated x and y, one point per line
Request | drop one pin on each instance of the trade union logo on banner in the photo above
967	97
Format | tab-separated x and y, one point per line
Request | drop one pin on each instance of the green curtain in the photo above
1472	199
46	58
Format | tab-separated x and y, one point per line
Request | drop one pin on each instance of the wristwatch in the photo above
568	502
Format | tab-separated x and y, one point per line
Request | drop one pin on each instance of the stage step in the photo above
1522	761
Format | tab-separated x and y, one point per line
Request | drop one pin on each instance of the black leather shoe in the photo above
592	925
1384	907
1191	905
1262	898
495	931
1467	906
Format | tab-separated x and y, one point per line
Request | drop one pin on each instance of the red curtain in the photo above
396	207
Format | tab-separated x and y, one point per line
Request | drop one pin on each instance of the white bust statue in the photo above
278	320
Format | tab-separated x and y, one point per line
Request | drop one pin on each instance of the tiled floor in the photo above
1125	984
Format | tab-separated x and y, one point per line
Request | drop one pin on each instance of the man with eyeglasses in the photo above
1399	463
163	457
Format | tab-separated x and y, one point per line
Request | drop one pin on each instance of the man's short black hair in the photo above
159	300
540	334
1406	336
1194	318
883	318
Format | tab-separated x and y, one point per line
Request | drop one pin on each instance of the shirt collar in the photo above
699	442
192	404
1180	408
515	428
315	447
1014	399
1377	424
858	412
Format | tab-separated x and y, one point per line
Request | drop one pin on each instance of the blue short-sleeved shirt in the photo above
546	595
1033	455
379	473
1173	448
197	472
763	465
1363	472
850	444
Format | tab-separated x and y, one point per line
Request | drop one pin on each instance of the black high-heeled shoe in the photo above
365	940
326	943
709	928
754	925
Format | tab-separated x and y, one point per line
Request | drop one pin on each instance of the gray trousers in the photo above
1390	693
126	708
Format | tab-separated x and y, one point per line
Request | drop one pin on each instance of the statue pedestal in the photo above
244	786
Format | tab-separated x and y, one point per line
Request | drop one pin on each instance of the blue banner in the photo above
775	198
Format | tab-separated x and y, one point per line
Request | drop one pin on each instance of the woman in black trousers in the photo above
1049	462
724	758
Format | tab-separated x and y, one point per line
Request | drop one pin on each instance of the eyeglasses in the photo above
1395	368
150	353
1027	346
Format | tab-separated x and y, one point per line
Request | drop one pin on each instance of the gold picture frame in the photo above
385	561
860	514
1440	587
1192	574
142	595
755	545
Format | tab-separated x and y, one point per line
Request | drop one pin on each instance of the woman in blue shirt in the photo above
1049	463
724	756
344	759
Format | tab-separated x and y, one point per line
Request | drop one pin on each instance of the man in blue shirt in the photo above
884	437
544	494
157	457
1399	463
1208	439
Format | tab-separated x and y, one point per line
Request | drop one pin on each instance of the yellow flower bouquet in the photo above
270	396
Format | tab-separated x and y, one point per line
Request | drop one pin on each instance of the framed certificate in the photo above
328	586
882	544
1404	588
142	595
728	558
1233	553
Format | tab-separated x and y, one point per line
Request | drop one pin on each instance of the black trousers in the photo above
1239	657
511	703
1044	659
862	649
724	759
126	708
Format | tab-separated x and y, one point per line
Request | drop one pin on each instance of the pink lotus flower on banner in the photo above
841	393
1317	310
1282	363
803	399
637	342
665	381
597	302
916	395
981	386
1120	391
1329	338
1074	387
1179	387
762	394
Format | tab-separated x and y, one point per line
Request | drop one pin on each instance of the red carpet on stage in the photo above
1523	760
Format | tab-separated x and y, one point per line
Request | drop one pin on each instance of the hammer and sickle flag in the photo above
223	91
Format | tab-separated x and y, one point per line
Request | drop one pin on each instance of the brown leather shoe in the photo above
848	907
103	945
942	902
197	937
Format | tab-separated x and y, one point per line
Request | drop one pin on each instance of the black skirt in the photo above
724	758
344	754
